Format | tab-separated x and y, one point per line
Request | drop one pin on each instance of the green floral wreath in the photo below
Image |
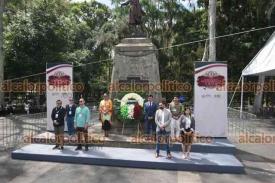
124	111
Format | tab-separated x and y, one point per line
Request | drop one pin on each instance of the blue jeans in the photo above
70	124
150	126
162	136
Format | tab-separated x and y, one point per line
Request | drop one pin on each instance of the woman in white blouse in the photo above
187	132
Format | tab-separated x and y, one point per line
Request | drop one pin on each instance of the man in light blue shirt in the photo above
81	120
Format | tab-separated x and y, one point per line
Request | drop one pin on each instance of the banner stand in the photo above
210	99
59	83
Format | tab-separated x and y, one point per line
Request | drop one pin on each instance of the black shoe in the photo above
56	147
157	155
78	148
86	148
61	148
169	156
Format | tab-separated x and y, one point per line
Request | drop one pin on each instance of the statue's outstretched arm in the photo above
143	12
126	3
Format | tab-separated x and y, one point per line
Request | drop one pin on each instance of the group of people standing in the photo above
162	122
77	118
169	122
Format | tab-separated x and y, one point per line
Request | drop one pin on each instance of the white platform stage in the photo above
131	157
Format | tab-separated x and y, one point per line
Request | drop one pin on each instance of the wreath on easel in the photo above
127	105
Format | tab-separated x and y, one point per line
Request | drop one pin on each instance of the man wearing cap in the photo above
58	115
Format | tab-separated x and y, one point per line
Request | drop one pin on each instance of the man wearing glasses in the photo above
58	115
81	120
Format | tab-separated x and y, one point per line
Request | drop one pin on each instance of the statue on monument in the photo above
135	16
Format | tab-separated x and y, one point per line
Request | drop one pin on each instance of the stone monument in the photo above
135	68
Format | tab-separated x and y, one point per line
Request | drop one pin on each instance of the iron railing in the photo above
16	129
239	125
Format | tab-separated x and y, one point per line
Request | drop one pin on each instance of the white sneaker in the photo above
188	156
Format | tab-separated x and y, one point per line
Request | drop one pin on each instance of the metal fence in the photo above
16	129
240	126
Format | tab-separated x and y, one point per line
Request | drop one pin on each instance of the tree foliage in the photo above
42	31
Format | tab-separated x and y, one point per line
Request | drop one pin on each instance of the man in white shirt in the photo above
176	109
163	120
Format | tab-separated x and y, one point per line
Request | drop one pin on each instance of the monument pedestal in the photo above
135	69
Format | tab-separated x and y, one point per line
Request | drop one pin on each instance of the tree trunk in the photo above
259	95
205	53
1	51
270	11
212	30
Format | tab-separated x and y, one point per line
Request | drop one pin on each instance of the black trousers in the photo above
80	131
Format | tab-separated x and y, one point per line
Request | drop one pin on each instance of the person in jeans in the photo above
58	115
81	120
163	120
70	113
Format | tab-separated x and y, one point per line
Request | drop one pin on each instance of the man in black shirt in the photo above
58	115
